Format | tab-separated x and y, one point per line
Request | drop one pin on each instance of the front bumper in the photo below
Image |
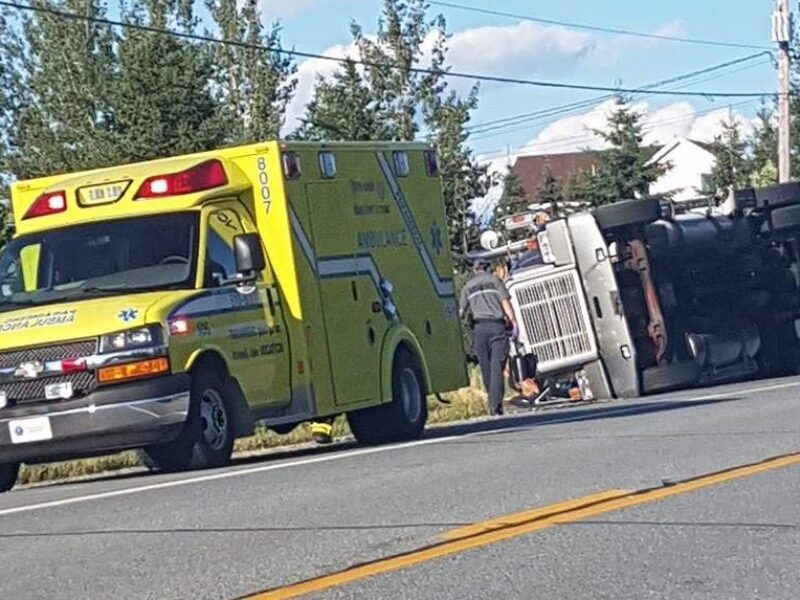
110	419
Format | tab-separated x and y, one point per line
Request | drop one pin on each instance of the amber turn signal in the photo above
136	370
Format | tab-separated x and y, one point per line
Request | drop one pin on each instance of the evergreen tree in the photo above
252	86
387	99
326	119
732	167
624	172
551	193
58	73
162	103
765	149
513	199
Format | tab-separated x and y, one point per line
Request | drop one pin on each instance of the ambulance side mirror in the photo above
249	255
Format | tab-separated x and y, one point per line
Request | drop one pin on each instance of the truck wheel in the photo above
8	476
627	213
671	376
405	416
782	219
207	438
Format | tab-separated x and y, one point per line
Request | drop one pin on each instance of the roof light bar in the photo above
49	203
205	176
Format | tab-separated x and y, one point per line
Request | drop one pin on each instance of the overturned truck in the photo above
635	298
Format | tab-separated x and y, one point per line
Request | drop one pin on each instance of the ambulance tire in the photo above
405	416
206	440
627	213
8	476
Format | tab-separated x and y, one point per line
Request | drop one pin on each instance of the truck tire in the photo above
401	419
8	476
207	438
627	213
782	219
670	377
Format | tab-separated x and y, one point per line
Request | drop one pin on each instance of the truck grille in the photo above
48	353
554	321
27	392
33	390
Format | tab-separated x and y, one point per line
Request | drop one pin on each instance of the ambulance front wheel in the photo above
8	476
207	438
405	416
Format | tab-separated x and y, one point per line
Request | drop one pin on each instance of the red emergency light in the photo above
205	176
49	203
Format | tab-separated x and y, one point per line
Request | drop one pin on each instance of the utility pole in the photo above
782	35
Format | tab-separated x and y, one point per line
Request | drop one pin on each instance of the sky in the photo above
512	47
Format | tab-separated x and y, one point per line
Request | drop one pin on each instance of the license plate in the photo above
59	391
35	429
105	193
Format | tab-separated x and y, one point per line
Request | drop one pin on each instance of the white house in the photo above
691	163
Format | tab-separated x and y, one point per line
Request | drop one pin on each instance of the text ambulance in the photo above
170	305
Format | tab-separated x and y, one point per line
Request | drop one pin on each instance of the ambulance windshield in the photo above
103	258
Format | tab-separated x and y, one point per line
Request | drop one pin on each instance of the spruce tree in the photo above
514	199
162	102
58	73
252	86
386	99
624	173
326	118
733	168
551	193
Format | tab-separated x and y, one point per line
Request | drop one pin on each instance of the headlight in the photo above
142	337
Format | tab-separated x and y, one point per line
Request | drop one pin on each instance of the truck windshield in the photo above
104	258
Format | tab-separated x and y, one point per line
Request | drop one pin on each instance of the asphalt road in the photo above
267	523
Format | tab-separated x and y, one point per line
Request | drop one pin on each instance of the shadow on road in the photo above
519	421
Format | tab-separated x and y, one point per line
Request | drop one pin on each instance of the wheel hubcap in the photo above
410	394
214	419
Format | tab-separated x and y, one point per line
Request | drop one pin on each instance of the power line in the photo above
584	26
520	118
417	70
585	137
495	130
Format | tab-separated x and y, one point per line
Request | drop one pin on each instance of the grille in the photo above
33	390
554	321
48	353
26	392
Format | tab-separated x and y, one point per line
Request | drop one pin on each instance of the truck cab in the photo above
642	296
171	305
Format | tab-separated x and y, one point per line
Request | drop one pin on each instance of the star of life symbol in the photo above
129	314
436	238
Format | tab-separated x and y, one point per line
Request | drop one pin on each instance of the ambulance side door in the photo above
253	324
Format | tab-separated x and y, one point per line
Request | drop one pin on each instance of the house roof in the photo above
531	170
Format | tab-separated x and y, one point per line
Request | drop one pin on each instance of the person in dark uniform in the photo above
486	298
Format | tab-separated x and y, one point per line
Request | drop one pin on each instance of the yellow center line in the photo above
515	525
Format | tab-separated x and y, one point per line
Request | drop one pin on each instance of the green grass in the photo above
466	403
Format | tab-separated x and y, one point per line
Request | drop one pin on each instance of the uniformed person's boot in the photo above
322	433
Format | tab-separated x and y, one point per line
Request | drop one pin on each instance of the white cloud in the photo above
659	125
281	9
522	48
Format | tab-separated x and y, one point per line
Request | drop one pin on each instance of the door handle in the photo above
271	302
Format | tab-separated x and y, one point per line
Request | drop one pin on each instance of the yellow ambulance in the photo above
171	305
